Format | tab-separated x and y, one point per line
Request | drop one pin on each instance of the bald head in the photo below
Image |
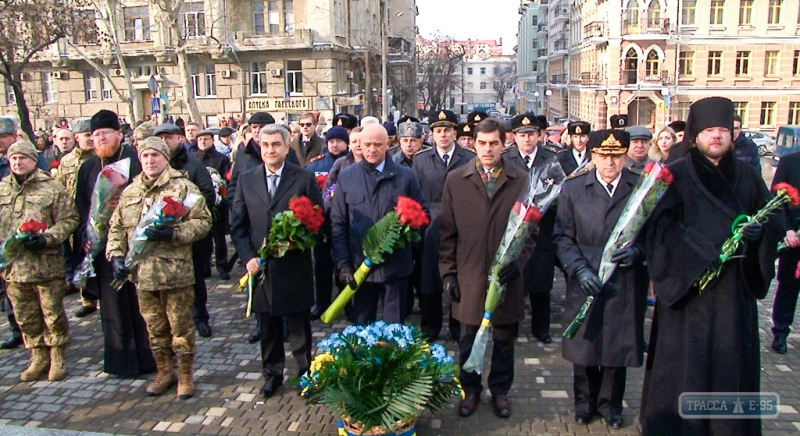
374	142
65	141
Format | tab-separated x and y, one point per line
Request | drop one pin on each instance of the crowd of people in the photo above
467	177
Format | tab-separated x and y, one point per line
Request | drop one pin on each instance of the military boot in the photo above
40	362
165	377
185	382
58	364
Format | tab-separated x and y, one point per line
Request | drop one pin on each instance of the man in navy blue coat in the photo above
365	193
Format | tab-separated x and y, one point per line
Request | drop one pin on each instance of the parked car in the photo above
765	143
787	142
554	133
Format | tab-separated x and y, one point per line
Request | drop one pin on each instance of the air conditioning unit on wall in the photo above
349	74
55	74
225	74
117	72
276	72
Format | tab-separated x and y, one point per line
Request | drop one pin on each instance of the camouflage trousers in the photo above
39	308
168	315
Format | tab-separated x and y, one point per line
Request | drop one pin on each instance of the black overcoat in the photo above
431	173
705	342
613	333
289	286
567	160
789	172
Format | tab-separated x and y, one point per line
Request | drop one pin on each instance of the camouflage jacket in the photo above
169	266
42	199
67	171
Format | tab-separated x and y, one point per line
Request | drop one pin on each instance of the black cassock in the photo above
126	345
705	342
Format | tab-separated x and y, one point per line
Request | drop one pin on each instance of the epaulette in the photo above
423	150
471	150
634	170
508	147
553	148
316	158
393	148
581	171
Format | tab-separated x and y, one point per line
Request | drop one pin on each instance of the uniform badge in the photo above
578	130
466	128
442	115
477	118
340	122
526	121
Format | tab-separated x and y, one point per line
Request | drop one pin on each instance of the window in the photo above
742	63
682	110
11	98
535	20
774	13
632	17
196	80
194	21
105	88
90	85
49	87
470	86
688	12
483	71
288	15
771	63
768	113
137	23
495	71
714	63
339	18
686	63
745	12
258	78
740	108
274	17
469	71
794	113
294	77
652	64
204	80
716	12
483	85
796	63
86	29
211	81
654	15
258	17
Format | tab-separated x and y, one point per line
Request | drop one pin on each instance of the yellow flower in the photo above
319	359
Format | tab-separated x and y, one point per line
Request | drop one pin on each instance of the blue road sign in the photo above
155	104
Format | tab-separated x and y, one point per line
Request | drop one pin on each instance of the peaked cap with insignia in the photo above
527	122
476	117
609	141
578	128
443	118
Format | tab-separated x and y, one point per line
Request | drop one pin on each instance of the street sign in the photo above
155	104
287	97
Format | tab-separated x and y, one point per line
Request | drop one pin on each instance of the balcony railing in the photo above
558	79
560	44
595	29
590	78
561	12
645	26
633	77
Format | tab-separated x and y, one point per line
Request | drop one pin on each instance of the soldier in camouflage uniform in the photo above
164	277
67	174
35	279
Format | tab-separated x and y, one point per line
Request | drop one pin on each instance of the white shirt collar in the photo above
449	153
279	172
603	183
583	155
532	155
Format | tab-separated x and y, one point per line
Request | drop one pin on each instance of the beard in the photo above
105	150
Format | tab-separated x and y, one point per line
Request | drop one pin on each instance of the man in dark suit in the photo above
612	339
308	144
577	154
476	202
431	168
788	283
540	269
287	288
365	193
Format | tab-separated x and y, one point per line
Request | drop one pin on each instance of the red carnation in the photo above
228	174
223	191
789	190
309	214
410	212
649	166
797	271
33	226
54	164
666	176
321	179
533	215
172	208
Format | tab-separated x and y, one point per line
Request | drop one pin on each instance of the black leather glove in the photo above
752	232
159	233
590	282
508	273
451	288
627	257
346	276
35	242
119	269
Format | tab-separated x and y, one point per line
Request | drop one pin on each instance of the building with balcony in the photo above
651	59
285	57
532	55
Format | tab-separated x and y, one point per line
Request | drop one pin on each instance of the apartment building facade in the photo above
652	58
285	57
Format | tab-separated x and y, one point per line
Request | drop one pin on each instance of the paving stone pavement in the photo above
228	381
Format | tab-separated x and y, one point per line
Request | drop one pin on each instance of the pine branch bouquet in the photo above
379	378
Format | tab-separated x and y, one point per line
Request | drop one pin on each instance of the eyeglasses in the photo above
306	124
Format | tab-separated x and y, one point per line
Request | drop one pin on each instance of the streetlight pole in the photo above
384	61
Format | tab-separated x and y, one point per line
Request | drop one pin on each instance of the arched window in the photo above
653	64
654	14
629	72
631	23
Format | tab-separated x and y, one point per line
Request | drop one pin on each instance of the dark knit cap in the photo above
105	119
337	133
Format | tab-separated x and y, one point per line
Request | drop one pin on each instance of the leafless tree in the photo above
439	60
28	28
503	81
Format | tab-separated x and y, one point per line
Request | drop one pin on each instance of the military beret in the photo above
154	143
609	141
80	125
464	129
443	118
225	131
639	132
205	132
25	148
527	122
105	119
261	118
167	129
8	126
409	129
476	117
348	121
578	128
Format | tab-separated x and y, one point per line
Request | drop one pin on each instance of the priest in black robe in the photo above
706	342
126	346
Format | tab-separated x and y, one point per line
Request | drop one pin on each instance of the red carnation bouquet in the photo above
109	185
392	232
11	248
293	229
648	191
784	194
164	212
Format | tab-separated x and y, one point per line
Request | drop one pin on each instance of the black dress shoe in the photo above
614	421
315	315
270	386
203	329
469	404
544	338
223	275
779	344
85	311
13	342
583	419
501	406
255	336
